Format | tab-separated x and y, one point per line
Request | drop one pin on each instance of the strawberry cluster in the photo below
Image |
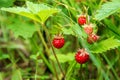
81	56
88	28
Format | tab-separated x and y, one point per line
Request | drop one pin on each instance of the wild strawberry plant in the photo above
45	21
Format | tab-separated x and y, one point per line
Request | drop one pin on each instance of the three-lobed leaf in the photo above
41	10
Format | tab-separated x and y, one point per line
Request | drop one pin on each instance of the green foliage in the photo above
68	31
107	9
37	12
16	75
36	8
1	76
21	11
70	70
3	56
111	26
23	29
78	31
105	45
6	3
34	55
63	57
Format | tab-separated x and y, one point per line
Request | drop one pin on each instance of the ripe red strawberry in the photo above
92	38
58	41
82	19
82	56
88	28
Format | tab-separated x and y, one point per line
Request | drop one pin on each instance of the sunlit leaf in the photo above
35	8
45	14
37	12
21	11
41	10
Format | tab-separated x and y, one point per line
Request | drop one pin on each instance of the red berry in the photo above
82	19
88	29
82	56
58	42
92	38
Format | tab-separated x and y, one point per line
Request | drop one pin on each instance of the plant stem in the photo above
40	34
111	67
43	57
47	50
81	78
44	43
36	70
55	70
47	33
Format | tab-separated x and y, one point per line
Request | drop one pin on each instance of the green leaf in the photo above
23	29
78	31
68	31
111	63
1	76
37	12
16	75
35	8
70	70
41	10
112	27
107	9
105	45
3	56
55	29
6	3
63	57
46	13
21	11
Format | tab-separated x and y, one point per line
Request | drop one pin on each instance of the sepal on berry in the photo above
92	38
82	19
58	41
82	56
